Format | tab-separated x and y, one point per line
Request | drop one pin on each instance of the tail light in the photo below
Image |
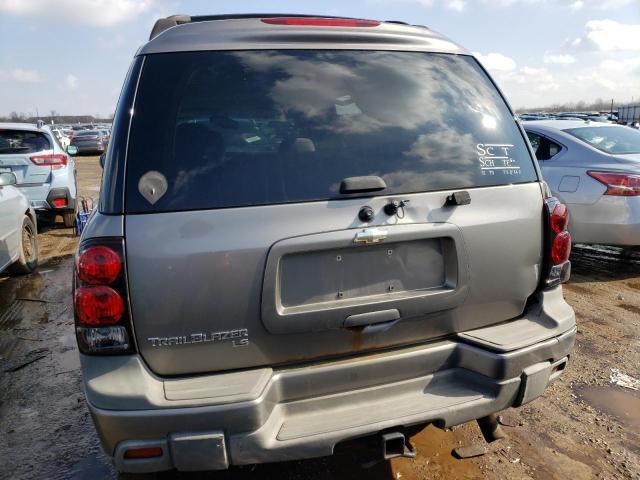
49	160
618	184
59	202
101	298
320	22
557	267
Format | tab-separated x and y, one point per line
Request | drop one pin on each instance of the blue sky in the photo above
71	55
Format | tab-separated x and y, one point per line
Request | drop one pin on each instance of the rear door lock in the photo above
395	206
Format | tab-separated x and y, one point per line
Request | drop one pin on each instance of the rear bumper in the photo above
41	197
267	415
90	148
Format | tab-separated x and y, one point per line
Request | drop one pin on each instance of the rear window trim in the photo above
337	199
142	56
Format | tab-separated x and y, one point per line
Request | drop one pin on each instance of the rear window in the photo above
225	129
21	141
88	133
613	140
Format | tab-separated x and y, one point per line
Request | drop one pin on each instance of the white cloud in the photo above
457	5
92	12
71	81
560	59
537	86
609	36
24	75
625	65
577	5
608	4
533	71
496	62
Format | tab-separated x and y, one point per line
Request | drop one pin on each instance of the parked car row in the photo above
602	117
92	138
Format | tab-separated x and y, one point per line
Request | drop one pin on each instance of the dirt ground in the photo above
583	427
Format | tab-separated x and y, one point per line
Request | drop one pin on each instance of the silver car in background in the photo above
18	234
594	168
45	173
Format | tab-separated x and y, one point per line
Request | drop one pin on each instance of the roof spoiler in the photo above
174	20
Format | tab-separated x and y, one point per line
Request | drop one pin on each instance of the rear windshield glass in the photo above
613	140
223	129
21	141
88	133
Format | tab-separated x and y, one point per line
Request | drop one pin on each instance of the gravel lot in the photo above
583	427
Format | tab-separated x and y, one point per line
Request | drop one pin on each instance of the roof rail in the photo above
166	23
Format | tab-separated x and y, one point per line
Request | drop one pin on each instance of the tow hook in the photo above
395	444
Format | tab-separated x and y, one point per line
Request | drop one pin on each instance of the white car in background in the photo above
18	231
63	139
593	168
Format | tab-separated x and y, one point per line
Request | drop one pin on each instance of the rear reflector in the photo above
320	22
618	184
149	452
98	305
49	159
59	202
98	265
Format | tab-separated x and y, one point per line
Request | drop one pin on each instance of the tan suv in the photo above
312	231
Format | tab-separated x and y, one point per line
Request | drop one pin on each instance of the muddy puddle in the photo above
435	458
620	403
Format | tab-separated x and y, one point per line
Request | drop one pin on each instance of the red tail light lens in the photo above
98	305
618	184
50	159
557	267
59	202
320	22
561	248
99	265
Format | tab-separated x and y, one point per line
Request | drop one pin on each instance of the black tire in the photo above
28	260
69	218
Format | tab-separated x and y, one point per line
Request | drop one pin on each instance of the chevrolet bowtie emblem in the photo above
370	235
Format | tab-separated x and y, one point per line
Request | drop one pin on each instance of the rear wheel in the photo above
28	260
69	218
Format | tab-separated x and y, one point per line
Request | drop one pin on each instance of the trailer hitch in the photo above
395	444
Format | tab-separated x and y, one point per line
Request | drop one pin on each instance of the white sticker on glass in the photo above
496	158
152	186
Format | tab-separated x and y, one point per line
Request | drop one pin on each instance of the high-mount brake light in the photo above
49	160
99	265
618	184
557	244
320	22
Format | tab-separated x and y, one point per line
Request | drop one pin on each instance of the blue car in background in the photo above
45	173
